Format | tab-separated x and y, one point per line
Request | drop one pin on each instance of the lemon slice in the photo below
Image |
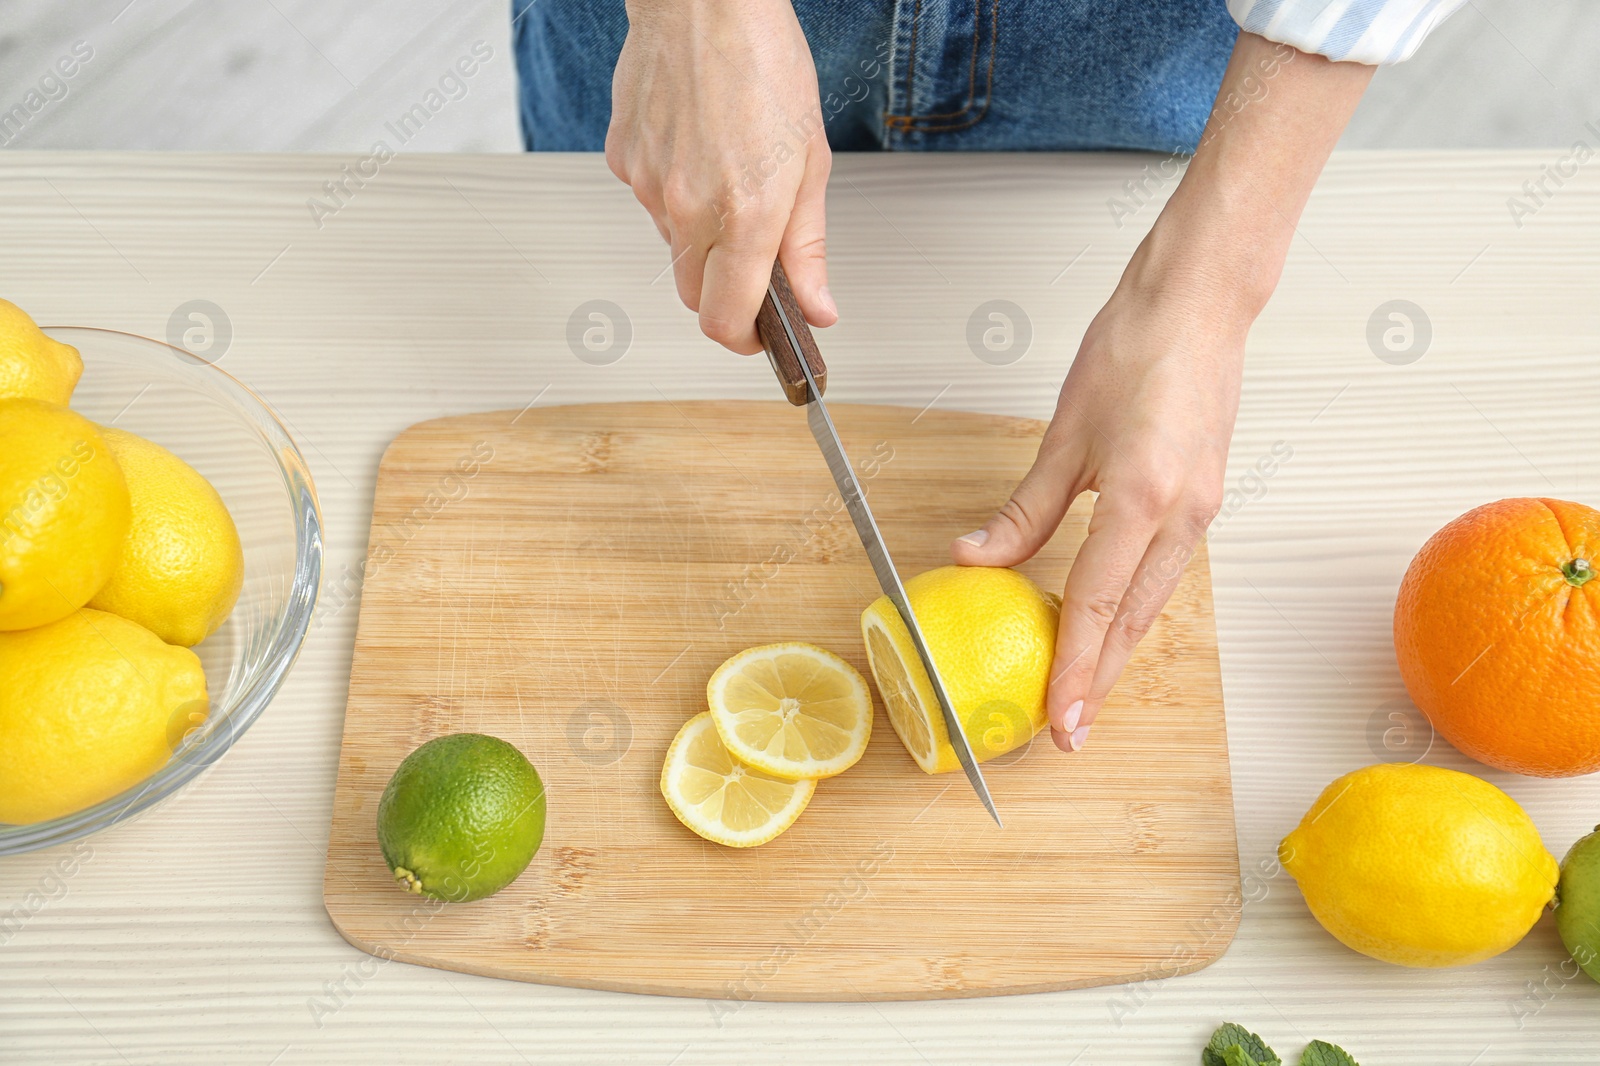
792	710
721	799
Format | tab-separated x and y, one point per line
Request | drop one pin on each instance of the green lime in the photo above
1578	903
461	818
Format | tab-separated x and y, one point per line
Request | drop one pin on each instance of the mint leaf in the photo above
1229	1037
1322	1053
1237	1056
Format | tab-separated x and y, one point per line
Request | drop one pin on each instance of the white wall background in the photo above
325	75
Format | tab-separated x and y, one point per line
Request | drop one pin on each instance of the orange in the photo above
1497	629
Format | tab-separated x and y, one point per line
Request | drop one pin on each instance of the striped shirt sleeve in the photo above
1361	31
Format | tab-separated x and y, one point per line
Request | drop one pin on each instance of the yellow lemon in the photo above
992	633
63	512
33	365
1420	866
90	705
181	566
719	797
793	710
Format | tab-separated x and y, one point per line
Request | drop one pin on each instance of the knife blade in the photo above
796	360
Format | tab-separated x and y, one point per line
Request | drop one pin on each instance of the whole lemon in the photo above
181	566
1420	866
63	512
90	705
33	365
992	634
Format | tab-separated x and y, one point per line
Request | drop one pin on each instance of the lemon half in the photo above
792	710
992	633
720	798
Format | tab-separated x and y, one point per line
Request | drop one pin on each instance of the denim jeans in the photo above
963	75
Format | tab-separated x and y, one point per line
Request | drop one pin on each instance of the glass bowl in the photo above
227	433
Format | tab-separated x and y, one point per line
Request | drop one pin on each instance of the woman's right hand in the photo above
717	127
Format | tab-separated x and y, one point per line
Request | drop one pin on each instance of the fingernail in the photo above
827	301
1078	736
1069	721
976	538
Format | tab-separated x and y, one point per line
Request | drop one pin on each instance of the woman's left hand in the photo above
1144	419
1147	409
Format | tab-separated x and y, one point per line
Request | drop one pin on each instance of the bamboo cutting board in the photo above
568	578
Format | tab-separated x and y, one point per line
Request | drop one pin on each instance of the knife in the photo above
796	360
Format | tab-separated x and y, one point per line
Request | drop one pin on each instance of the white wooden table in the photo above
197	934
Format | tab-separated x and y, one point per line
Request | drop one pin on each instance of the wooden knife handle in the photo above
780	352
